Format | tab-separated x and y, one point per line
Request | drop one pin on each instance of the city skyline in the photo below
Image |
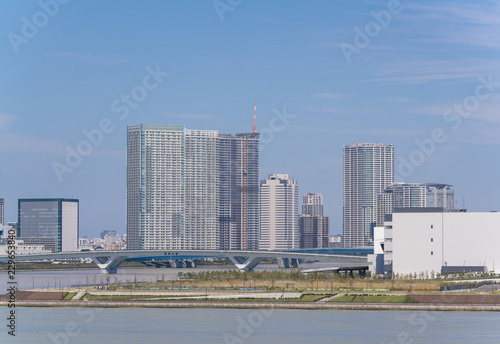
192	189
320	80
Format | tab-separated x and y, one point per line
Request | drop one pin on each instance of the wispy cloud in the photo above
473	24
189	116
488	110
90	57
336	110
333	96
24	143
6	119
447	41
355	131
418	72
479	133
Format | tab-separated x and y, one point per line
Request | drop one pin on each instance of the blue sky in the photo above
426	72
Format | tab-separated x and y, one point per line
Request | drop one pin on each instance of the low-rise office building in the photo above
424	241
51	222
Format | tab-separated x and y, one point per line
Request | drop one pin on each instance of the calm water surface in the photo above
128	325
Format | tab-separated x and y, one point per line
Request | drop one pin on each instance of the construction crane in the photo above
254	115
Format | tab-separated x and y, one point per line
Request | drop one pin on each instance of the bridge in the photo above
108	261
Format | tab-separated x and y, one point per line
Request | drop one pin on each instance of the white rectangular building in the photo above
429	240
279	214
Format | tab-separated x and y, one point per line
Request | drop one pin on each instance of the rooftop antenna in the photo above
254	115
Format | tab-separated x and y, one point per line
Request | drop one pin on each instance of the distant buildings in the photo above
415	195
22	248
107	232
191	189
368	170
279	202
2	211
335	241
51	222
111	241
314	228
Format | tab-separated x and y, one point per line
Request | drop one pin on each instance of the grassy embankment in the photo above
68	296
375	299
303	298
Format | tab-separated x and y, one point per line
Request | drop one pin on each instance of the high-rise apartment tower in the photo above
279	202
191	189
368	170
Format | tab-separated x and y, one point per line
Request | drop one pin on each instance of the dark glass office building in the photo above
52	222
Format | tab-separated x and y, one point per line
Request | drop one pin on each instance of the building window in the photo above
432	253
432	226
432	239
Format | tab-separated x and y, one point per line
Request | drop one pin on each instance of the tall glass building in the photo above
52	222
201	190
191	189
368	170
155	186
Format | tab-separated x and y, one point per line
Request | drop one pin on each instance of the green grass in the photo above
312	297
374	299
68	296
124	297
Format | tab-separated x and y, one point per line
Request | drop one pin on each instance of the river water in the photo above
136	325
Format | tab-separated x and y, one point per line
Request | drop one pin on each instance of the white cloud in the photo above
474	24
440	41
6	119
488	110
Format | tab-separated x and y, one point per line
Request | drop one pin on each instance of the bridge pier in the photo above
109	271
288	263
245	264
176	264
109	264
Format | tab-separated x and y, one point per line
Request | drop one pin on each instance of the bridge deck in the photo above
108	261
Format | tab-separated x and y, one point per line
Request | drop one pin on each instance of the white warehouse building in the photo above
426	240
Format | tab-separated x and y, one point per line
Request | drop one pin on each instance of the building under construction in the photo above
239	191
192	189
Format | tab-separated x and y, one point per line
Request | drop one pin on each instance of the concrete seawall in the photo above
263	305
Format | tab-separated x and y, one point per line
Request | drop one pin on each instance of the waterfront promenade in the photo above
255	300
